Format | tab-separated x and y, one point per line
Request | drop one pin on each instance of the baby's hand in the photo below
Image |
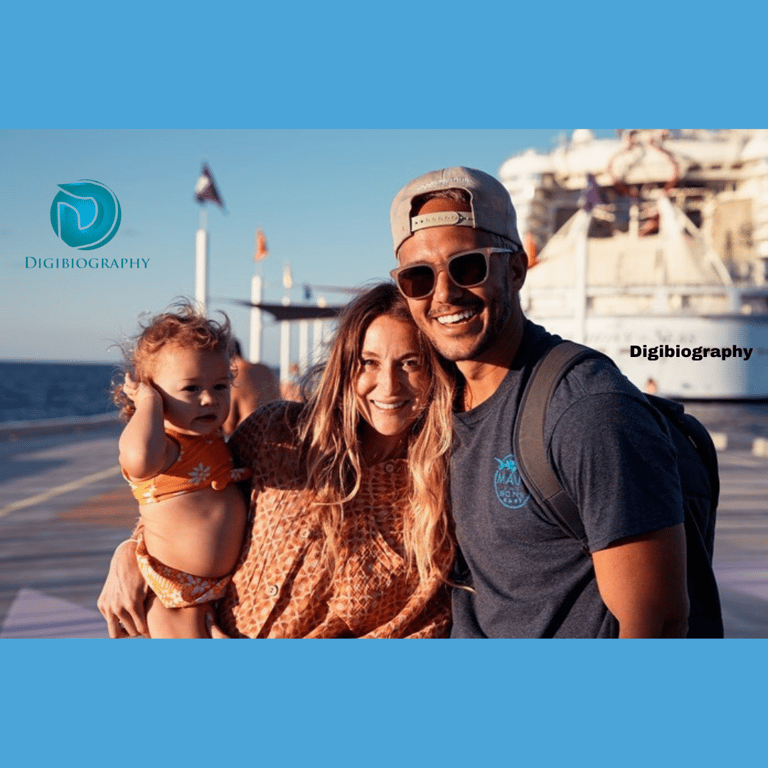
137	391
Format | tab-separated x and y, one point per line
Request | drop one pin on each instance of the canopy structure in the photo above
294	311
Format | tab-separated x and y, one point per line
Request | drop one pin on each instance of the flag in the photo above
261	246
205	189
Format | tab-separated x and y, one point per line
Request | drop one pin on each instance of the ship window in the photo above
695	216
600	228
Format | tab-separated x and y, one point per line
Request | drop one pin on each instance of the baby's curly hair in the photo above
183	325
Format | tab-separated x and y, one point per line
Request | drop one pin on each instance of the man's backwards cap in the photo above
492	209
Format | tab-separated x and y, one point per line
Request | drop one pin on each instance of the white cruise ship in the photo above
653	247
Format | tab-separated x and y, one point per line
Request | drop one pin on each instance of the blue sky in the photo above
321	196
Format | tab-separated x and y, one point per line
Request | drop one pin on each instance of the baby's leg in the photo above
172	623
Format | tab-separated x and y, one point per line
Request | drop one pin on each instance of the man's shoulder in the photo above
595	406
591	376
596	387
255	383
257	369
599	375
598	395
258	373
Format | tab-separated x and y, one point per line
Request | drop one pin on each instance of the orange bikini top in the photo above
204	461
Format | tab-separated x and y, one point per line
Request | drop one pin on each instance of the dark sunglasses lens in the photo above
469	269
416	282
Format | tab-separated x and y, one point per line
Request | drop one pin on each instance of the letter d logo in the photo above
85	214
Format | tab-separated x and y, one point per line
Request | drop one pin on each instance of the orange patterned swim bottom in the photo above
174	588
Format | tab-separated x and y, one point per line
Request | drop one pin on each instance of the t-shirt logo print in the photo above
510	490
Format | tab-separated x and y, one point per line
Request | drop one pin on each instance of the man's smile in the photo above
458	317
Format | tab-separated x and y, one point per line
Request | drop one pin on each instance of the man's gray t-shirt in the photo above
614	457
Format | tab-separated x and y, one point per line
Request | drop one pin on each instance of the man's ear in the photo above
518	268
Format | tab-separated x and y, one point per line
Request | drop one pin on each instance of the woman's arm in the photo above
143	443
123	596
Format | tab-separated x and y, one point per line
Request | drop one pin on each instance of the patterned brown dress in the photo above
278	588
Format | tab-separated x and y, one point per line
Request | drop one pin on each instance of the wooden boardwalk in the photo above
55	552
64	508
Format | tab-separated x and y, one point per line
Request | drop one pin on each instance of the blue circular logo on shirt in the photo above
510	490
85	214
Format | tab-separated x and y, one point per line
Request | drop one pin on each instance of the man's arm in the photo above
642	581
619	464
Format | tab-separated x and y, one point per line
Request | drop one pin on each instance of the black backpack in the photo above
697	467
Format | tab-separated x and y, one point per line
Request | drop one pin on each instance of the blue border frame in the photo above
522	702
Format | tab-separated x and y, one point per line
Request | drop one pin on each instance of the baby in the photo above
176	397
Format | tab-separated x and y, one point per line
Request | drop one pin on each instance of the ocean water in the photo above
30	391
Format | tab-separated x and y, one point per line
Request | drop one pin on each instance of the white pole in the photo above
285	346
201	269
317	341
580	289
303	346
257	290
326	333
285	329
318	334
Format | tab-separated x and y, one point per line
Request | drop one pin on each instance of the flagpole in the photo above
205	190
257	296
201	262
257	292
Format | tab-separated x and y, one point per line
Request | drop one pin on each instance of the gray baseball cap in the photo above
492	208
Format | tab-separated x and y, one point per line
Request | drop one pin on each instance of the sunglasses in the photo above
467	269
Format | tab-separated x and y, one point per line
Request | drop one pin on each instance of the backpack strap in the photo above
528	443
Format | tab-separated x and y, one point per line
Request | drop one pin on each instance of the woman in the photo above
349	529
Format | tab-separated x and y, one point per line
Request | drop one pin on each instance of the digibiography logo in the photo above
85	214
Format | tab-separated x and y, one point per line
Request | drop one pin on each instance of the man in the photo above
526	577
254	385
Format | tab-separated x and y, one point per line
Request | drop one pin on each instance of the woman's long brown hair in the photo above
330	434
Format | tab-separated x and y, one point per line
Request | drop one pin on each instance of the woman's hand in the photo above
122	598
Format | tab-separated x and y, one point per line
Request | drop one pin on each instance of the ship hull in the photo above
676	342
